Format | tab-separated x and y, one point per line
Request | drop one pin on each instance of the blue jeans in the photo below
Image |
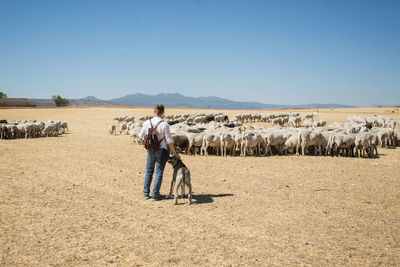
158	159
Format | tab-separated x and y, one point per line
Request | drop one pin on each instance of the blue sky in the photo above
277	52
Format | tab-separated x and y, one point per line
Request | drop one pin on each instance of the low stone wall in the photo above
15	102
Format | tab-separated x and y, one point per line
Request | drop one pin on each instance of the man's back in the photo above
163	131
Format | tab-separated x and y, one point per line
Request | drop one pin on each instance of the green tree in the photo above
60	102
3	95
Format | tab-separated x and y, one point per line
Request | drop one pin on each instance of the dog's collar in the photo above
179	164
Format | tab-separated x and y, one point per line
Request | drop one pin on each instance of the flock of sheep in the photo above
290	133
282	119
205	134
31	129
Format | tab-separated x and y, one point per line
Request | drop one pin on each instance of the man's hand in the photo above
172	149
177	155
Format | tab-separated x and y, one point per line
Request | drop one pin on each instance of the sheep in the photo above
237	117
308	116
193	131
220	118
227	143
294	121
274	138
51	129
120	119
195	140
366	144
384	134
256	117
21	130
129	119
210	140
199	119
64	126
122	127
291	144
342	142
277	121
145	118
112	129
181	141
134	134
321	123
310	138
251	140
3	131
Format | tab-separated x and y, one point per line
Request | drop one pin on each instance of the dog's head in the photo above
174	161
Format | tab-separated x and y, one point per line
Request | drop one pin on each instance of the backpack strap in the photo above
159	123
157	126
151	125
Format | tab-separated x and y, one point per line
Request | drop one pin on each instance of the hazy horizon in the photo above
273	52
255	101
109	99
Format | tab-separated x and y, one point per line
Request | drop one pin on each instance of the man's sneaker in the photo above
157	197
146	196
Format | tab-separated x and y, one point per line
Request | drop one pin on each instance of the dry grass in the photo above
76	200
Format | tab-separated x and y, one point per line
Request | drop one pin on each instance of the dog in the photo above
180	177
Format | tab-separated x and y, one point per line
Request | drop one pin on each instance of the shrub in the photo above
60	102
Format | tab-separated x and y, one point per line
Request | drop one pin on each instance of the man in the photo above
159	157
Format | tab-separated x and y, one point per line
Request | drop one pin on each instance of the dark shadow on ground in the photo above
207	198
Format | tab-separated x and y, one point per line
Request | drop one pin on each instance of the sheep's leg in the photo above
189	149
269	149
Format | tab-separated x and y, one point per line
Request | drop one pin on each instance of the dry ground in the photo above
76	200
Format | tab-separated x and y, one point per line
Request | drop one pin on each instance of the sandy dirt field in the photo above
76	200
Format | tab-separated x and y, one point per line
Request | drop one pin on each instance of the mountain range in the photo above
179	101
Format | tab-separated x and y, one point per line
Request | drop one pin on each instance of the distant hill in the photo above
179	101
89	101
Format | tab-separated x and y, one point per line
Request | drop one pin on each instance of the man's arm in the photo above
143	131
172	149
170	141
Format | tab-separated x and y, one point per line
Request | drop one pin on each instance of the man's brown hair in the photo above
159	109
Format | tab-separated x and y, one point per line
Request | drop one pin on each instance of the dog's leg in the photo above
177	183
173	181
189	184
183	186
172	185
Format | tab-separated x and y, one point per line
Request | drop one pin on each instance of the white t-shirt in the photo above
163	131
